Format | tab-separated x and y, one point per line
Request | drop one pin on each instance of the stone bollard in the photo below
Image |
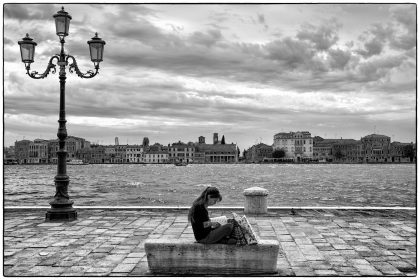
256	200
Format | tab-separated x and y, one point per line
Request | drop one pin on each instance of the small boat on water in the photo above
181	164
10	162
76	162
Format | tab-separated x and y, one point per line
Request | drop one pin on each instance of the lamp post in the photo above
61	205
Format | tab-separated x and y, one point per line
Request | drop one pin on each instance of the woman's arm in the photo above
211	224
201	214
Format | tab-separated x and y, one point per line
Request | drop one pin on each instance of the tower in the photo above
116	141
145	142
215	138
201	140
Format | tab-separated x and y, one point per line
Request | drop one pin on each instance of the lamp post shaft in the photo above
61	205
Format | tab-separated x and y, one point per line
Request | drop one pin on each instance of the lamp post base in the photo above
61	215
61	211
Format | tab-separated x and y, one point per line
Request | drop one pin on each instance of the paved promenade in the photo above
111	242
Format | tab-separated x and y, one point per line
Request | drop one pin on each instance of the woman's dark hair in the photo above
213	192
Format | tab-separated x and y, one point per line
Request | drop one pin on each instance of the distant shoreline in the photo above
246	163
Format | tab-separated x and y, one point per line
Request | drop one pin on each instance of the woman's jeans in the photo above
217	234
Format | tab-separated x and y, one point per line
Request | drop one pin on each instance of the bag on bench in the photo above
242	231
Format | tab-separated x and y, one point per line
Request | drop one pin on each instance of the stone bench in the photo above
177	256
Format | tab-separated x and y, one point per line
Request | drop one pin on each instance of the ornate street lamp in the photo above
61	205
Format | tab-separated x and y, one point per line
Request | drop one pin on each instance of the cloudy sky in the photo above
176	72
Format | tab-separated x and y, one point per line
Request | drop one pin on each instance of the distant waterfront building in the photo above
322	149
38	151
22	151
199	155
9	156
85	154
216	152
347	150
97	154
337	150
134	153
181	152
258	153
110	154
370	149
156	157
73	144
121	154
376	148
403	152
115	154
296	145
31	151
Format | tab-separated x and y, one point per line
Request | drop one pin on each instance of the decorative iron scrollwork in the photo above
51	65
89	74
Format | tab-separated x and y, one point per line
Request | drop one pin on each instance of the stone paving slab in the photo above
111	242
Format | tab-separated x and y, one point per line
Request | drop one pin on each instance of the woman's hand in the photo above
214	224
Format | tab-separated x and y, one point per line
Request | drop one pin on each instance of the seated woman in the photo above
204	230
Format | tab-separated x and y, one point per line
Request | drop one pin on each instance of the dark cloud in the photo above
33	105
7	41
374	40
138	9
339	58
142	31
208	38
341	82
381	32
323	36
30	132
16	11
32	12
405	41
139	29
375	69
405	15
80	50
398	34
372	47
397	88
292	53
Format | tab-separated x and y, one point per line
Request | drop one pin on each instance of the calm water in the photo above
169	185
